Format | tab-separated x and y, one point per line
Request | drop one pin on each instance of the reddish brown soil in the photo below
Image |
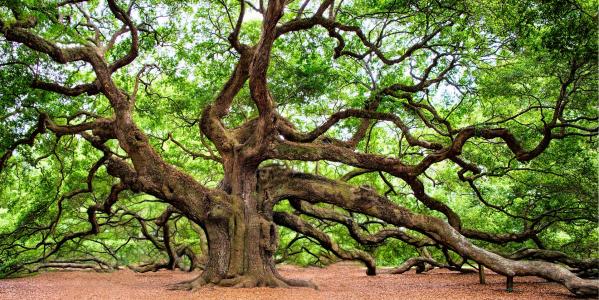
340	281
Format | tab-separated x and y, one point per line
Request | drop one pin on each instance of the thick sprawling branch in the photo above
14	33
124	17
91	211
175	187
87	88
100	126
148	173
297	224
289	150
316	189
211	124
556	257
333	27
29	140
292	135
355	229
418	262
166	244
261	59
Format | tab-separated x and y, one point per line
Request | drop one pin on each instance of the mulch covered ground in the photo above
339	281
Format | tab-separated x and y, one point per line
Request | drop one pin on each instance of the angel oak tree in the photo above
402	55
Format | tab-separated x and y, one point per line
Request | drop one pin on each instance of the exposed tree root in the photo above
242	281
248	281
300	283
188	285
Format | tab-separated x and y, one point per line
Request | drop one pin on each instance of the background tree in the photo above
465	130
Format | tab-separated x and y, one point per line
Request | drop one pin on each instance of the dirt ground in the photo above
339	281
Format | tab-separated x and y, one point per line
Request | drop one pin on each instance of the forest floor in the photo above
339	281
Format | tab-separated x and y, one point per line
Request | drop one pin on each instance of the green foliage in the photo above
513	56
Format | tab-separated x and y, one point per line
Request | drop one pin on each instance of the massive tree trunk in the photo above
242	243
